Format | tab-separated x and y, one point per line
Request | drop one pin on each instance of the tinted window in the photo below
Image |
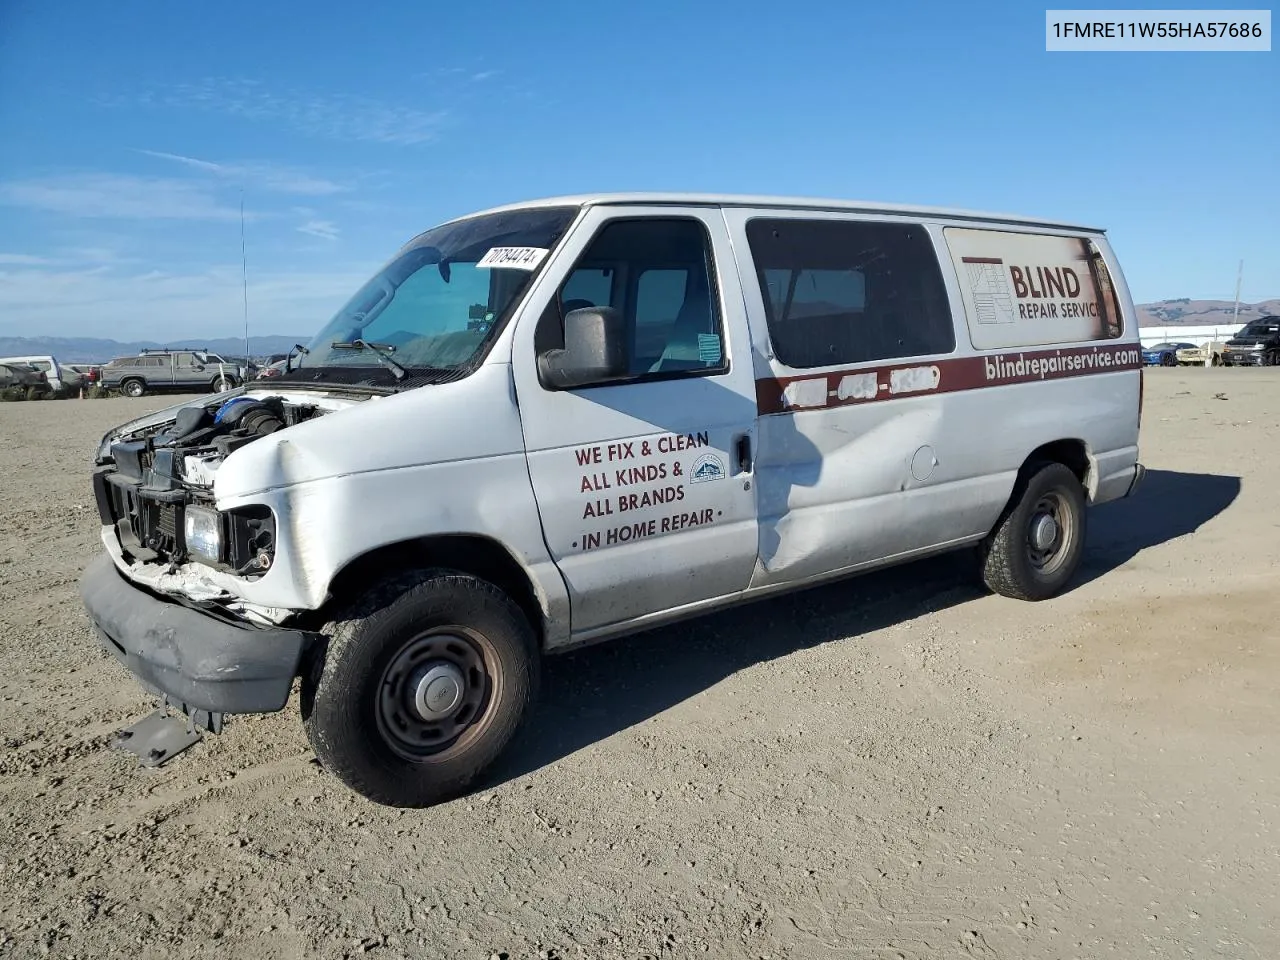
587	287
839	292
657	275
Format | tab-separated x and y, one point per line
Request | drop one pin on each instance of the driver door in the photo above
644	485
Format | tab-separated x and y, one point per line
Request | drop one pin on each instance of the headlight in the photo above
1255	346
203	530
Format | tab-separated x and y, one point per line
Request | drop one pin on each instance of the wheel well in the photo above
1072	454
478	556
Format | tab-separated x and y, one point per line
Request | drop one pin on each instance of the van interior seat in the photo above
681	351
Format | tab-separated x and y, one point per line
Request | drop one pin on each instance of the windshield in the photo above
433	310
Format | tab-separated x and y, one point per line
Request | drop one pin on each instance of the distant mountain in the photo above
1204	313
90	350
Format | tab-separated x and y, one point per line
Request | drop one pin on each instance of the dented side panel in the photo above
868	462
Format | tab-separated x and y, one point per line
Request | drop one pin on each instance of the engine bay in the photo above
188	450
156	476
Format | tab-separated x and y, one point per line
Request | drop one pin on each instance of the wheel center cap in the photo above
437	690
1044	530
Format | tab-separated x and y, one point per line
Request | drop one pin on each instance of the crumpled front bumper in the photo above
195	658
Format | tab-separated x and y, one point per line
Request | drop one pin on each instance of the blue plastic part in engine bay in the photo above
217	417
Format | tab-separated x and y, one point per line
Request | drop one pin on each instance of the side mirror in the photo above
595	350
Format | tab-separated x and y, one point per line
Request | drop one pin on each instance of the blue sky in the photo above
128	130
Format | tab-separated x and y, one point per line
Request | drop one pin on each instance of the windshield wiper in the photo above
381	350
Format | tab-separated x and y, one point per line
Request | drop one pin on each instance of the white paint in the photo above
858	386
914	379
806	393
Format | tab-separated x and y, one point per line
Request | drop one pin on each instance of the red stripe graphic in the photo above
872	384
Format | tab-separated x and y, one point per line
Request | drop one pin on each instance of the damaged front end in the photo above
165	600
154	490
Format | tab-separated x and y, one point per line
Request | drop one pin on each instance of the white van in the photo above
53	371
559	422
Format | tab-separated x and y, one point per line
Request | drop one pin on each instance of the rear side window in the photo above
846	291
1029	289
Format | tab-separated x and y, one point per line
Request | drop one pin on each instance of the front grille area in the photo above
167	521
149	528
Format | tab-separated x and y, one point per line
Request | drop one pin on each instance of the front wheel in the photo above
421	686
222	384
1035	548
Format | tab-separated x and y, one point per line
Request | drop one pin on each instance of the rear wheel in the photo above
422	685
133	388
1036	546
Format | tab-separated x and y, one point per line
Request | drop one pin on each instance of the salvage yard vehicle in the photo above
33	382
1164	354
1256	345
152	371
57	377
1195	356
559	422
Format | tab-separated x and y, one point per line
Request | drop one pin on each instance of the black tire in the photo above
1272	359
357	704
133	388
222	384
1012	565
1168	360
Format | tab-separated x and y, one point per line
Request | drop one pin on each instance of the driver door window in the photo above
657	275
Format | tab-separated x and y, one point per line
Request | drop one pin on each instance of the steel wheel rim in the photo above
433	659
1050	532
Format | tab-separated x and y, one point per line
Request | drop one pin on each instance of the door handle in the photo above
744	453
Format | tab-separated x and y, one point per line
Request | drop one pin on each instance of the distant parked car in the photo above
56	375
273	369
25	377
87	373
1257	345
1195	356
1164	354
159	370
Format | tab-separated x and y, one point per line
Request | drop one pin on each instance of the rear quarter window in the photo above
1024	289
842	292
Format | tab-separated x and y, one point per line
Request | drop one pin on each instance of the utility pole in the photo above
1235	317
245	274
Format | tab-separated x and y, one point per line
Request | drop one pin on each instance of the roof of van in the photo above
803	203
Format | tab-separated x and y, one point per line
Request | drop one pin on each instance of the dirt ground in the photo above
893	767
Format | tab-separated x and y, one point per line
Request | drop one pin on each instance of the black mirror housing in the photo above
595	350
